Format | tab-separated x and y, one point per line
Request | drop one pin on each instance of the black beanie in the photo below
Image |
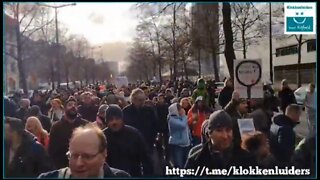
219	119
113	111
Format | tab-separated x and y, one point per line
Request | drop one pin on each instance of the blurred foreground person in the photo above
24	156
86	155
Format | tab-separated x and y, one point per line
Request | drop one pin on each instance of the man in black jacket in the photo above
141	117
226	93
286	96
22	112
90	144
61	132
127	149
220	152
24	156
282	135
88	110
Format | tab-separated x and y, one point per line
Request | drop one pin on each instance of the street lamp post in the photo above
57	36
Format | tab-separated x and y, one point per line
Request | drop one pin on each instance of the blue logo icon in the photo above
300	23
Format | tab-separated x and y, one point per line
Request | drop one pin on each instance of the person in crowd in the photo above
90	144
204	138
61	132
304	156
258	145
262	116
220	152
226	93
196	116
211	88
22	112
38	99
180	136
282	135
141	117
184	93
201	91
24	156
45	120
88	110
310	107
186	104
57	110
10	107
101	115
33	125
237	108
168	96
127	149
286	96
162	111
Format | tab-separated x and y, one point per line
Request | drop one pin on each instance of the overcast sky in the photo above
100	22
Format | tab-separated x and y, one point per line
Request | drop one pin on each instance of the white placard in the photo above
246	126
248	73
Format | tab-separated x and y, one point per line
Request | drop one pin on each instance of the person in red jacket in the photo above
196	116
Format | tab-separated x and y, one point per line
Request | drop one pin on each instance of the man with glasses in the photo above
61	132
86	155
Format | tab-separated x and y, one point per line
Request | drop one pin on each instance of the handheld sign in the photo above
246	126
248	78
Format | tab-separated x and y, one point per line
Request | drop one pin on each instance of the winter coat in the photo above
305	154
143	119
162	111
286	97
60	134
282	138
127	150
88	113
66	173
225	96
234	156
178	128
30	160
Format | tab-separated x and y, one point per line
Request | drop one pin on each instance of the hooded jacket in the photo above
178	127
201	91
282	138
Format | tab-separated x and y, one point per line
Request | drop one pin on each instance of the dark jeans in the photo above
179	155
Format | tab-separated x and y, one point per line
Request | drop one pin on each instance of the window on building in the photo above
284	51
311	45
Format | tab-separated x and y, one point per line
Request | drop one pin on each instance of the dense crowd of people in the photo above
137	130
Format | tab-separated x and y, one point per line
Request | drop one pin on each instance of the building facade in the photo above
205	22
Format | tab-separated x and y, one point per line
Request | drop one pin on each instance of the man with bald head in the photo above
87	154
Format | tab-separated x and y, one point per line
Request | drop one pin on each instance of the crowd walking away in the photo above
147	129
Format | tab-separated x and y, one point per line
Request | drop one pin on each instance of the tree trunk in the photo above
185	70
215	66
244	50
299	60
159	69
23	79
67	76
174	44
199	62
228	34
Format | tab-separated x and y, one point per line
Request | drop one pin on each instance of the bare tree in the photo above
24	16
228	34
246	18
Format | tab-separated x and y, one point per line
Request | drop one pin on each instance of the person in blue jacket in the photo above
179	135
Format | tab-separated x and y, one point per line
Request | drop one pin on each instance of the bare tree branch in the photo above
11	55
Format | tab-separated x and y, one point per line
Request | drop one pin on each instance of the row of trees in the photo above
167	36
35	48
